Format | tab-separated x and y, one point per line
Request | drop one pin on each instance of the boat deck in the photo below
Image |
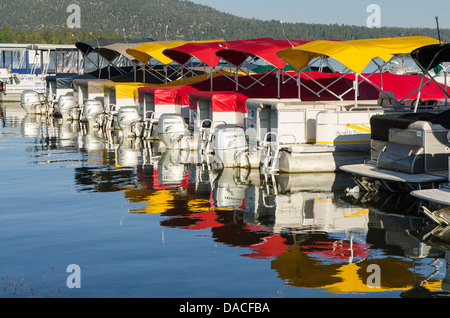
438	196
370	170
311	148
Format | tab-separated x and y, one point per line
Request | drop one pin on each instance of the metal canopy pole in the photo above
418	95
278	84
298	80
446	89
211	79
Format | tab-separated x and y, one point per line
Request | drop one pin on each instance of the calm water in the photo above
143	224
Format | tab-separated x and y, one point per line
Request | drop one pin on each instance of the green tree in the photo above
7	35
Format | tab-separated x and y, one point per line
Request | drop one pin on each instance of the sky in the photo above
393	13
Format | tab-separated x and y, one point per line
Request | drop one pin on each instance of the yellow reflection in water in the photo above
351	282
299	269
159	202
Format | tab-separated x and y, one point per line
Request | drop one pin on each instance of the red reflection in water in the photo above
336	250
227	226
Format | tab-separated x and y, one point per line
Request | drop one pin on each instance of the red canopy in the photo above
403	85
220	101
205	52
178	95
265	49
399	85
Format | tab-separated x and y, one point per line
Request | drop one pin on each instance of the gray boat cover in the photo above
101	46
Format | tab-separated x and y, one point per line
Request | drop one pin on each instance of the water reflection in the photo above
11	116
312	234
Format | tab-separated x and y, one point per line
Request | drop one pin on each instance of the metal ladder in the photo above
110	116
207	135
149	124
270	151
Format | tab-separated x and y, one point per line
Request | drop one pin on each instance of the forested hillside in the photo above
45	21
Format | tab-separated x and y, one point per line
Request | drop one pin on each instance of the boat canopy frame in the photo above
241	55
427	58
110	50
386	49
148	53
205	52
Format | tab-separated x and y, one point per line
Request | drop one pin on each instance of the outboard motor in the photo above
230	146
173	132
65	107
93	110
129	121
30	102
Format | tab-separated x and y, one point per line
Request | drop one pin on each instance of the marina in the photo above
258	168
141	223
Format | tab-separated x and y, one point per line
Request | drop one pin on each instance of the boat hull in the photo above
310	158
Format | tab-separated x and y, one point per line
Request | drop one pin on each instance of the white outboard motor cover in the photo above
29	100
172	131
229	141
65	104
92	108
126	116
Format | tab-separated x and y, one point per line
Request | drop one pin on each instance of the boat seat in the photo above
381	124
387	99
425	126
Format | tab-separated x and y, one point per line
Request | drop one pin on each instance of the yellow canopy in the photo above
124	90
145	52
354	54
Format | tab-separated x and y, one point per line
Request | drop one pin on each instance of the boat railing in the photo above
422	107
287	135
365	108
272	148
